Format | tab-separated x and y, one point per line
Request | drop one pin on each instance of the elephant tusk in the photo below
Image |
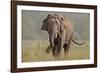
56	35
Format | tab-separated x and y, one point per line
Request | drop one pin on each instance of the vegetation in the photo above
34	51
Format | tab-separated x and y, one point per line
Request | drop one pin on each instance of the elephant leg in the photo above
59	45
55	48
67	45
58	52
53	51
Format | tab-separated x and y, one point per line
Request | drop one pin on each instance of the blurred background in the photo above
33	20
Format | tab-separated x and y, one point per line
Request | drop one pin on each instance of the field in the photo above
34	51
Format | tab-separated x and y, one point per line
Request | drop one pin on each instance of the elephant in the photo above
61	33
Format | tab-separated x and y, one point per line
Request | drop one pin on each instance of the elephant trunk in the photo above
52	39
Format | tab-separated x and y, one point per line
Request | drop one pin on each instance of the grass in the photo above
34	51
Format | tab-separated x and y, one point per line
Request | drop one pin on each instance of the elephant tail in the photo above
78	42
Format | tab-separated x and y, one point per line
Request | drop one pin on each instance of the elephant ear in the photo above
61	24
61	28
60	21
45	25
65	23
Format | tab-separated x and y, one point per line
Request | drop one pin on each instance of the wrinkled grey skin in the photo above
51	25
60	32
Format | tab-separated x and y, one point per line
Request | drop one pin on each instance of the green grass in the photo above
34	51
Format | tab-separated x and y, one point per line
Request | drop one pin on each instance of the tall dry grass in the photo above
34	51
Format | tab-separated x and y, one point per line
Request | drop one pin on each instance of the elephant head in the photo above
46	22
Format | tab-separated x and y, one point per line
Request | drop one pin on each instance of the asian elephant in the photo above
60	32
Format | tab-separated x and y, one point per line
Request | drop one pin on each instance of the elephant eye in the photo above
62	19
